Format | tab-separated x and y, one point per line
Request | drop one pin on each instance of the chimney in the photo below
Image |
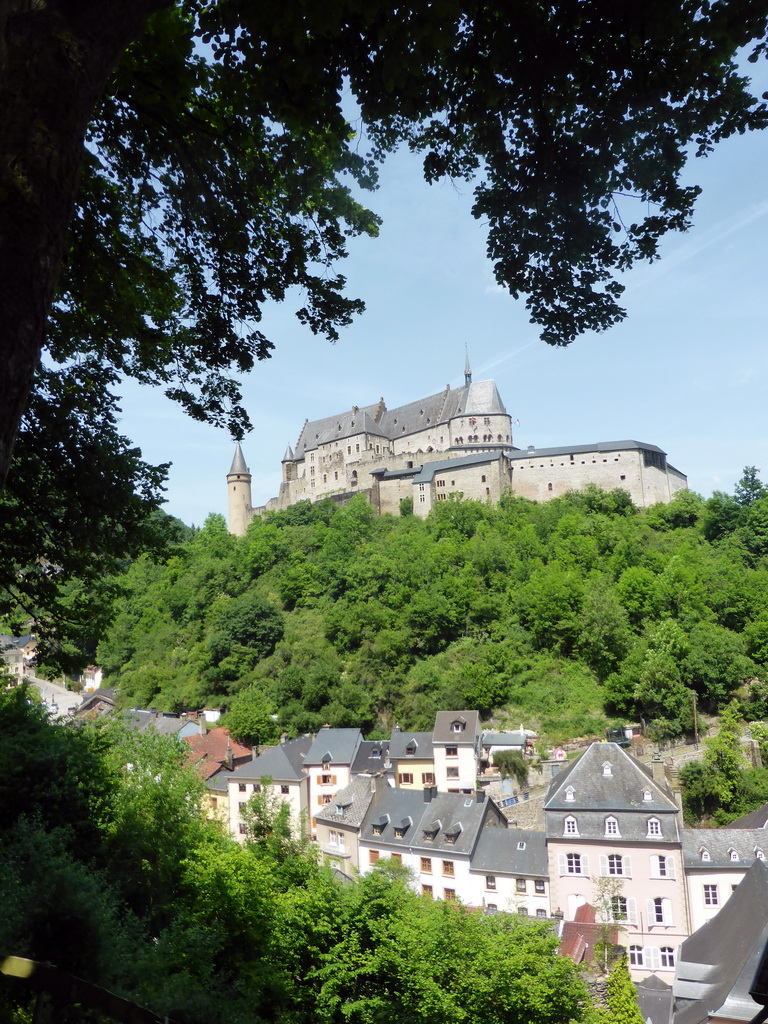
430	792
480	796
229	760
202	726
254	750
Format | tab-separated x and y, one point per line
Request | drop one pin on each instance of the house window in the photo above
733	855
654	827
704	854
710	896
326	780
426	890
570	795
573	863
619	908
214	803
426	865
451	751
241	787
457	726
449	894
611	827
490	881
759	855
647	796
326	798
521	885
636	956
448	868
428	778
541	912
667	956
243	829
285	790
399	833
607	769
521	844
570	827
523	911
396	857
615	864
243	804
373	856
491	908
375	753
405	778
257	788
377	829
452	772
660	911
662	867
539	887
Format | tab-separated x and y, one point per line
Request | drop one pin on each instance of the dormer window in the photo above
704	853
570	794
607	769
411	747
570	826
733	855
611	827
759	855
326	766
654	827
452	833
521	845
458	726
647	796
376	753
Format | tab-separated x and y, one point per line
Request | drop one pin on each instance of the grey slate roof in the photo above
165	724
338	746
581	449
431	810
755	819
716	965
498	853
431	469
400	742
238	462
283	762
443	732
504	739
371	756
336	428
350	804
654	997
622	790
719	842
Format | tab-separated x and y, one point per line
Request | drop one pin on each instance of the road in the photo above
57	699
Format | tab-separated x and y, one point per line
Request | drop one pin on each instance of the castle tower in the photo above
239	507
289	465
467	371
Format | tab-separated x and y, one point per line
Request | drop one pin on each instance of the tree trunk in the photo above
55	59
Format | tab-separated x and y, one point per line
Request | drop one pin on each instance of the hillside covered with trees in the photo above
558	614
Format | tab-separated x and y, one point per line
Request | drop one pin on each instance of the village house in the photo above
278	771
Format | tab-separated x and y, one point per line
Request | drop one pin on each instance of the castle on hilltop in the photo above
458	441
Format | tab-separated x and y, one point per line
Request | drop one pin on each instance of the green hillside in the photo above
556	614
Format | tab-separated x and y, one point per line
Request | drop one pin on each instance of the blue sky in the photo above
686	370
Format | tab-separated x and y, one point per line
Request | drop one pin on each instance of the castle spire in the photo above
467	371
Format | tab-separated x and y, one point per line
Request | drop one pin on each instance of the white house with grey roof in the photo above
338	824
509	872
412	758
457	441
283	765
612	825
434	834
456	749
716	860
329	765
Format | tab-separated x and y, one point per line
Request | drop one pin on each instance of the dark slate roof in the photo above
283	762
350	804
365	761
443	732
498	853
654	997
442	811
430	469
582	449
400	741
238	463
719	842
336	428
7	642
165	724
504	739
755	819
622	790
338	746
716	965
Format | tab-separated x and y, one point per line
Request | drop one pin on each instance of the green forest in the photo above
112	874
565	615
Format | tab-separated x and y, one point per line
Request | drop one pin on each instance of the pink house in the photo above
614	841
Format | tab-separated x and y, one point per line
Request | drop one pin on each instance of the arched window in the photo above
654	827
704	853
667	956
611	826
570	826
733	854
619	908
636	956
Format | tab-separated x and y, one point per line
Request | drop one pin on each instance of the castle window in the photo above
622	477
349	449
335	474
487	420
325	478
357	446
498	438
482	478
549	487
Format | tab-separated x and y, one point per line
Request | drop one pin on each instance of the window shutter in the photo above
670	867
584	864
631	910
655	869
627	867
652	957
333	780
562	865
320	800
603	865
319	780
650	912
667	910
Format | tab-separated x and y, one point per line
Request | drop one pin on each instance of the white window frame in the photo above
659	910
564	864
570	826
669	866
654	828
612	826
